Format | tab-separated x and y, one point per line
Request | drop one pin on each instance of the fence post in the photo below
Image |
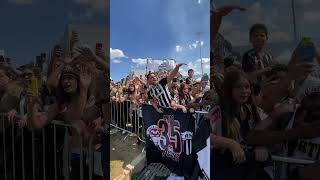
55	151
13	153
22	148
33	156
44	154
4	147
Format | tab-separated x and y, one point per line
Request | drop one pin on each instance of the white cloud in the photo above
179	48
21	2
196	66
140	61
116	53
195	44
199	1
311	17
116	61
204	60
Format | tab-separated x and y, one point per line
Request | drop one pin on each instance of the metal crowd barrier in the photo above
281	161
127	117
22	160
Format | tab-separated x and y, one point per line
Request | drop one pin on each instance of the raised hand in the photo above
179	65
22	122
12	114
85	53
74	39
67	59
57	52
100	53
298	68
57	65
85	76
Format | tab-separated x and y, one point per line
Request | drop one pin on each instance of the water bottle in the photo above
307	48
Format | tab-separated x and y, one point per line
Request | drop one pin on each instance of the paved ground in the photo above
123	150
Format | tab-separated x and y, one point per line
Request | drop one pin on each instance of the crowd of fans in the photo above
184	93
266	108
72	90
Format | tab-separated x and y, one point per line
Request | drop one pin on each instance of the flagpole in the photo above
147	66
294	21
199	33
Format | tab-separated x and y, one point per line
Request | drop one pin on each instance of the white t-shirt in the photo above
310	85
262	114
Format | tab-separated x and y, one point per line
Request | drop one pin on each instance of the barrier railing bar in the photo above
90	159
33	157
291	160
81	159
36	169
22	148
44	154
55	151
4	147
121	129
67	165
13	153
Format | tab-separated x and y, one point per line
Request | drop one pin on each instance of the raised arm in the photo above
217	15
173	73
53	78
297	69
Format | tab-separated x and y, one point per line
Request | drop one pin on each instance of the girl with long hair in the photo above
239	117
185	97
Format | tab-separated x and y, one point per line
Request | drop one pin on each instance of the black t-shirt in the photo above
161	93
169	137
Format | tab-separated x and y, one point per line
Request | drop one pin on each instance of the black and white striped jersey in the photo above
251	61
161	93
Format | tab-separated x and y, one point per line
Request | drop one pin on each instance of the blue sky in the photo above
30	27
277	15
156	29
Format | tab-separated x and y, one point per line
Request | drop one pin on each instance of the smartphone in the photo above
58	50
98	46
33	86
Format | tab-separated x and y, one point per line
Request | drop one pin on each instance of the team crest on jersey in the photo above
186	138
154	134
153	131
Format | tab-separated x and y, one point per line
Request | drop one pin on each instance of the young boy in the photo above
257	61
